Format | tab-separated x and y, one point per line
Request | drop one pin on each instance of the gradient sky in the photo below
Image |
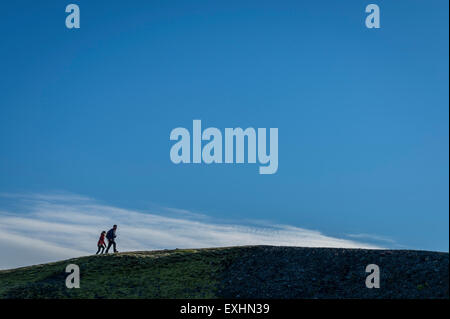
362	114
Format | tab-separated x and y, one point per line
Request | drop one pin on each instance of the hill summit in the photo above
237	272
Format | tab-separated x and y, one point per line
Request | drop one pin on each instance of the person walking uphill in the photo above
111	236
101	243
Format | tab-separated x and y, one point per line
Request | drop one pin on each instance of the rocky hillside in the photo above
238	272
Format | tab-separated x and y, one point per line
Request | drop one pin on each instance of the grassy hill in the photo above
237	272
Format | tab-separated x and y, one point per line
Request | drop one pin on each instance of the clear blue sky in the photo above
363	114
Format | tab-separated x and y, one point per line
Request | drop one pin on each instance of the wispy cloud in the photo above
372	237
49	227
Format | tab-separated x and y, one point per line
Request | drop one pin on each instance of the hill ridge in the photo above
255	271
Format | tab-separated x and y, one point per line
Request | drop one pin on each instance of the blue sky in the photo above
362	114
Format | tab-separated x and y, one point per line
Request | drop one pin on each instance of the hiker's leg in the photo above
114	245
103	249
109	246
98	250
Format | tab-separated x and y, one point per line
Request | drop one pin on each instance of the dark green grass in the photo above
238	272
188	273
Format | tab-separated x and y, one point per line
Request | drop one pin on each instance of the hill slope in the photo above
238	272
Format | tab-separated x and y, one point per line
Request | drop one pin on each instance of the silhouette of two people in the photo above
111	237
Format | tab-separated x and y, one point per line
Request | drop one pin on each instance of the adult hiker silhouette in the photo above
111	236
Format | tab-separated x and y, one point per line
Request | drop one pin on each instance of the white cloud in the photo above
50	227
377	238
